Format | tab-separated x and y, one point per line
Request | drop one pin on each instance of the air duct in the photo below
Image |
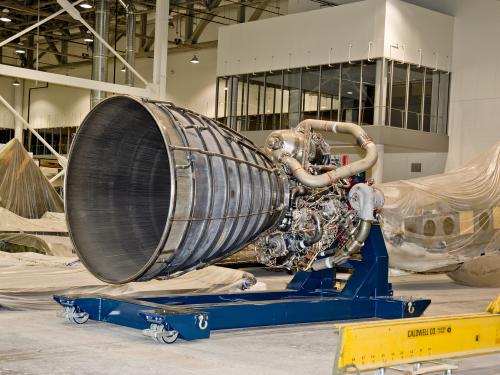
100	53
130	47
156	190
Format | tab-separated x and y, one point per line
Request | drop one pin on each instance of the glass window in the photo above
242	100
431	100
396	94
233	100
369	78
415	95
417	98
310	92
350	84
255	101
274	81
221	108
329	86
291	97
444	88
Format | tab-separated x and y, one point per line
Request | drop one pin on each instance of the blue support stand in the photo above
310	297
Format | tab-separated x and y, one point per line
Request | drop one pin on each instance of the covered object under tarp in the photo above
24	189
447	222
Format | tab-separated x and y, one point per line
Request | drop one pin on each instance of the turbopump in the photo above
154	190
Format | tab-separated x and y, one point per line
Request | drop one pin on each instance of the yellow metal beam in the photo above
377	344
494	306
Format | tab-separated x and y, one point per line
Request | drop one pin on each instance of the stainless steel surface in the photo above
156	190
130	43
100	54
292	148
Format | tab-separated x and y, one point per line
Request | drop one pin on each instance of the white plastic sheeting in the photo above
436	223
28	281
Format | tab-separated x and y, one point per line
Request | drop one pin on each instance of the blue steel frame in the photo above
310	297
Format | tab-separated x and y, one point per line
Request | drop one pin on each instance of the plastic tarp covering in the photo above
436	223
47	235
28	281
24	189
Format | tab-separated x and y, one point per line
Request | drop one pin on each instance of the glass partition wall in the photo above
415	97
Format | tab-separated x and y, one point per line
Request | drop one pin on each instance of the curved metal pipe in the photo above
318	233
351	248
329	178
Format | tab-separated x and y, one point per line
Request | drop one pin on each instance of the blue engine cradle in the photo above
310	297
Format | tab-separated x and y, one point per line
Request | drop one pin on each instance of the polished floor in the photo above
38	342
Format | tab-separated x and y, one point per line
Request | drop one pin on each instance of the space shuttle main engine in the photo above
153	190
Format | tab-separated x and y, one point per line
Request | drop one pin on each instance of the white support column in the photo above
18	106
380	92
161	49
378	168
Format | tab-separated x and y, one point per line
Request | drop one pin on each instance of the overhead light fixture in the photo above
4	17
123	69
88	39
194	60
16	83
85	5
349	92
20	51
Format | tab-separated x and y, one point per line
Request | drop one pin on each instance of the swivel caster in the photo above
74	316
160	334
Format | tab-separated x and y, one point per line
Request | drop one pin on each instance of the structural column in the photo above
18	106
380	92
161	49
378	168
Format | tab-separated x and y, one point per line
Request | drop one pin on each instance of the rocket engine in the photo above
154	190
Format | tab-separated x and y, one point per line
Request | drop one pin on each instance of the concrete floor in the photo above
38	342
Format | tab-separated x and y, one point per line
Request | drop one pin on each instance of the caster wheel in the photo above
162	335
76	317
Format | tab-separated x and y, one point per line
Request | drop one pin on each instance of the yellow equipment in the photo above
494	306
381	344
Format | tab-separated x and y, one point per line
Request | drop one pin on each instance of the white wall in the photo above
421	35
7	91
193	85
56	106
302	39
475	84
188	85
397	166
323	36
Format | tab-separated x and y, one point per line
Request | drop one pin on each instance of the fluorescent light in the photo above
194	60
85	5
16	83
20	51
349	92
123	69
5	19
88	39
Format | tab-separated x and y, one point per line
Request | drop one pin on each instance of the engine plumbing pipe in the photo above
329	178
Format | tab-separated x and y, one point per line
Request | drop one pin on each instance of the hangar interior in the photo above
299	181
